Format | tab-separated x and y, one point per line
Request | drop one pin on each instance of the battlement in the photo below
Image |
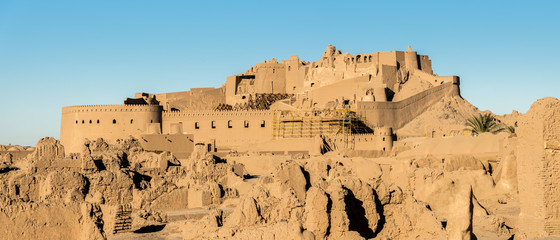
112	108
220	113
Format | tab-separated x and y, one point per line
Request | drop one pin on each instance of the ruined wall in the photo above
380	140
295	74
195	99
349	89
425	64
397	114
228	128
110	122
538	168
178	144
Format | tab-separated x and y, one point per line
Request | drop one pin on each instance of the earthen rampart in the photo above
397	114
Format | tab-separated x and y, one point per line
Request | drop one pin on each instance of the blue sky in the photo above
60	53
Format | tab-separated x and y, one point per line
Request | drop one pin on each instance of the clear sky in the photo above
61	53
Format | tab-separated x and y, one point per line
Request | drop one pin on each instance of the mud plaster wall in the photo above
397	114
229	128
538	170
107	121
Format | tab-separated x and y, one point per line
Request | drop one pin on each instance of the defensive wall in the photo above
181	145
348	89
380	140
109	122
397	114
228	128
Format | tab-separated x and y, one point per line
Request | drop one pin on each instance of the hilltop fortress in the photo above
345	101
366	146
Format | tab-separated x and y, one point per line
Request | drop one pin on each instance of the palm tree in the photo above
510	129
483	123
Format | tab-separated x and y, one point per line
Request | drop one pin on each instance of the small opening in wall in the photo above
383	139
289	68
131	121
246	124
196	125
213	124
273	70
89	121
229	124
76	121
262	123
383	149
151	121
114	121
97	121
312	84
83	122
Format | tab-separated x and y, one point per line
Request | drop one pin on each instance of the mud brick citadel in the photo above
277	106
363	146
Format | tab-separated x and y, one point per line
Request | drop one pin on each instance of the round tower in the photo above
383	138
410	59
109	122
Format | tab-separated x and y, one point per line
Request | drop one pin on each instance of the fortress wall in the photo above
388	58
364	141
228	128
110	122
397	114
231	83
434	80
293	81
389	76
175	143
425	64
347	89
270	78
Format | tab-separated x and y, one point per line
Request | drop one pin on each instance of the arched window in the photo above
131	121
246	124
83	122
229	124
196	125
213	124
262	123
89	121
97	121
76	121
114	121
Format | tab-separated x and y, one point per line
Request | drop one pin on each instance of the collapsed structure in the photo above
355	100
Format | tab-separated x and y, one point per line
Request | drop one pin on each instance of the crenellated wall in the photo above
110	122
228	128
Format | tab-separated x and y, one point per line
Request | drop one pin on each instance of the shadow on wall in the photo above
357	215
150	229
